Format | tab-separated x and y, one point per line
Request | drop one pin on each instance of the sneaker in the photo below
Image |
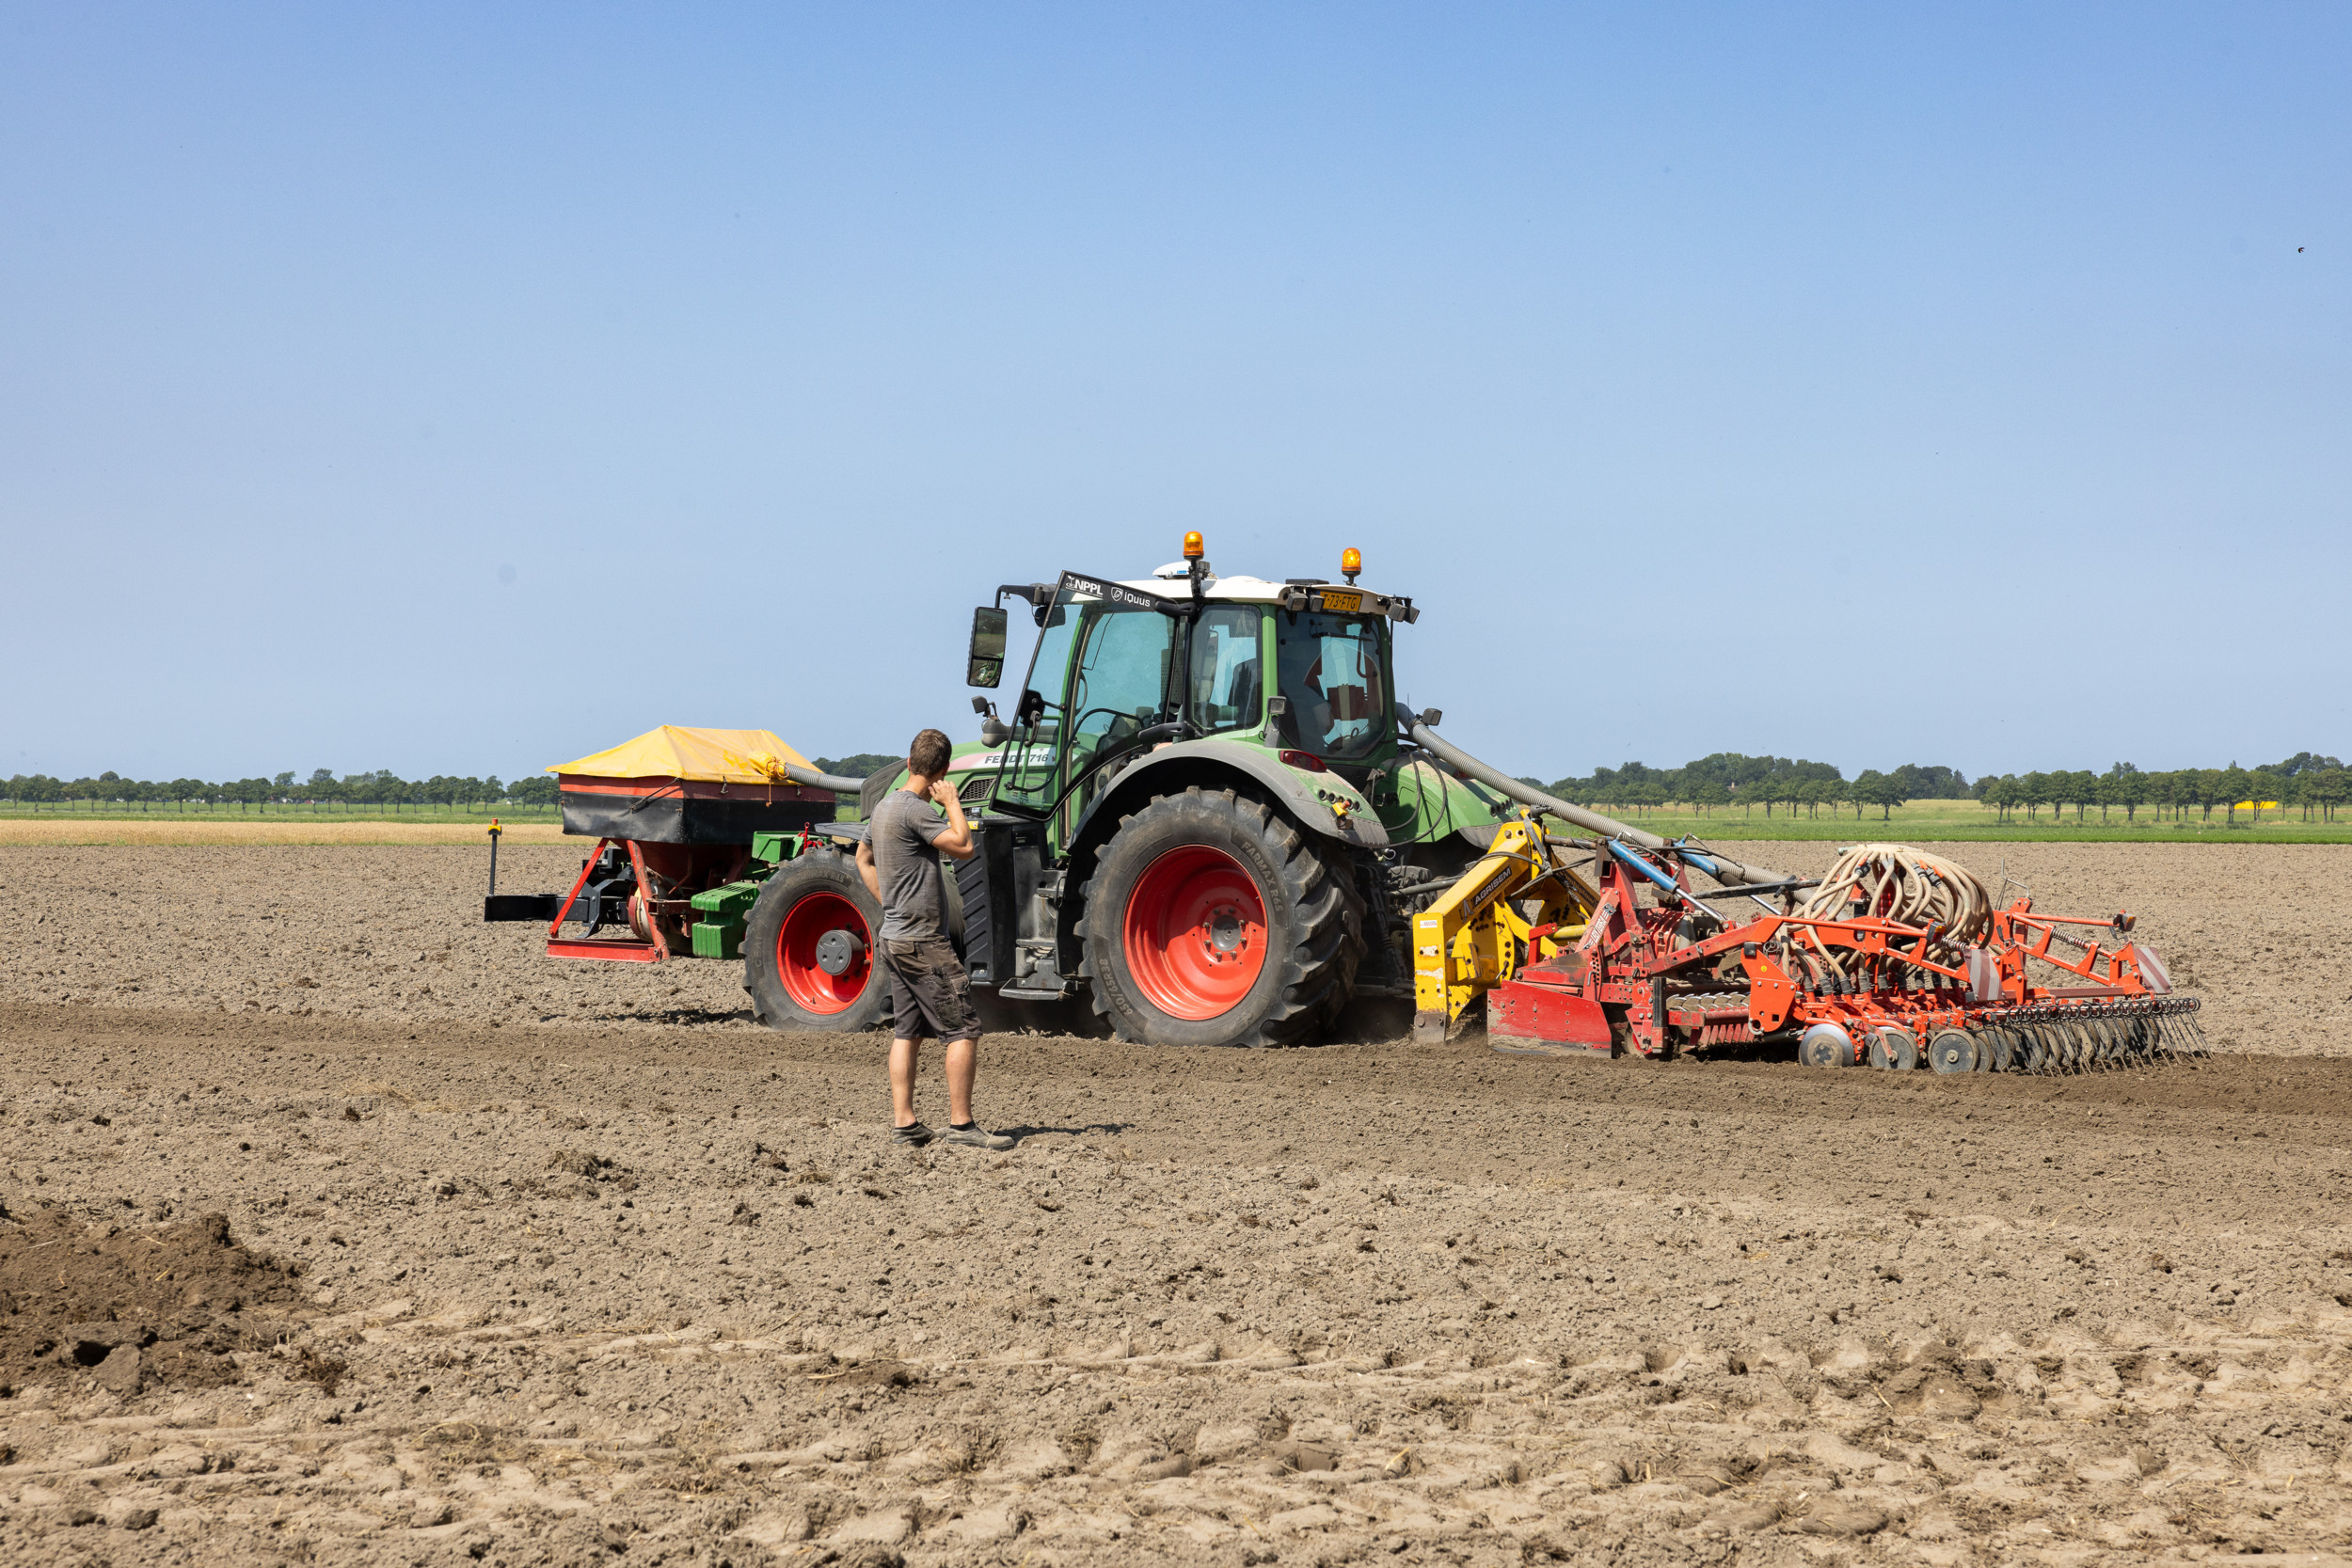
976	1136
914	1132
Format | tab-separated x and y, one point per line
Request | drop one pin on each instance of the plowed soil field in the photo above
337	1228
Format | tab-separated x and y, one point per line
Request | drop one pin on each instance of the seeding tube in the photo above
1728	872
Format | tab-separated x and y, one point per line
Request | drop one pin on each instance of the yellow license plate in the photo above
1344	603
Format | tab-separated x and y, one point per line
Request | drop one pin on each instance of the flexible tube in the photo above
1894	881
833	782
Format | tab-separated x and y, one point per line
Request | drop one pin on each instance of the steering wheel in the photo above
1123	724
1125	730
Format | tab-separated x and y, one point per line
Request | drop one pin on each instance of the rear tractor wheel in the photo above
1209	920
808	948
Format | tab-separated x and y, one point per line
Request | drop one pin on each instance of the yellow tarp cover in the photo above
677	752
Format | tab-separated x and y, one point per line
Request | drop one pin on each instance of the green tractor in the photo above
1199	820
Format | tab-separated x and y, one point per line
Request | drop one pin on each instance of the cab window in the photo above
1228	684
1122	680
1329	668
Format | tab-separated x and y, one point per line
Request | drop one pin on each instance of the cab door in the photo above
1122	680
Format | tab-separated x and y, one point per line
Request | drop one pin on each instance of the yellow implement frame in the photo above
1474	937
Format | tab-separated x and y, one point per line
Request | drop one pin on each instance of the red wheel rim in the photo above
804	924
1195	932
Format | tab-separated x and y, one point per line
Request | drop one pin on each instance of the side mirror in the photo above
985	664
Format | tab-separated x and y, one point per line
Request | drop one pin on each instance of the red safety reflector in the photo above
1308	760
609	951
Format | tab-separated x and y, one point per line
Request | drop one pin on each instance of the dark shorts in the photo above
930	995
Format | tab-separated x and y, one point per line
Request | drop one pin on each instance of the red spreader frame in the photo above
610	949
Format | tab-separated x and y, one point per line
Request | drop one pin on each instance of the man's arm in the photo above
956	842
867	869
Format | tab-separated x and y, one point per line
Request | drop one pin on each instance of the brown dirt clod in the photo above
170	1305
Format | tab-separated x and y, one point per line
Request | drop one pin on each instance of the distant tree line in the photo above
859	764
1731	779
378	790
2307	783
2315	785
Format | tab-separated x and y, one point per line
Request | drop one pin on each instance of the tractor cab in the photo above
1298	672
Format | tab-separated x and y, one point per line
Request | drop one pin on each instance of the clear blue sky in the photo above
467	387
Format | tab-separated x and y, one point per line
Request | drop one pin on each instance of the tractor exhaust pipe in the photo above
1728	872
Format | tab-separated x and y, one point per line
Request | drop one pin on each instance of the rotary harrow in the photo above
1896	959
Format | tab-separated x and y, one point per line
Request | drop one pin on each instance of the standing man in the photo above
930	992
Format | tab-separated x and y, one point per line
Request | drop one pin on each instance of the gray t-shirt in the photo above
913	893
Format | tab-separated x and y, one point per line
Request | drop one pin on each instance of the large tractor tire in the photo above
1211	920
808	948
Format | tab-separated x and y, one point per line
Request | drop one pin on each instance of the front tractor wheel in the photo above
1212	921
808	948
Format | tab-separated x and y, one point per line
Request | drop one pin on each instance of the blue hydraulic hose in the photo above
1629	859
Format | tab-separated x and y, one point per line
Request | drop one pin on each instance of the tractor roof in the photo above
1172	585
1237	589
1243	589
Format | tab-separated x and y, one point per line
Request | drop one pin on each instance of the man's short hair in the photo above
929	755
